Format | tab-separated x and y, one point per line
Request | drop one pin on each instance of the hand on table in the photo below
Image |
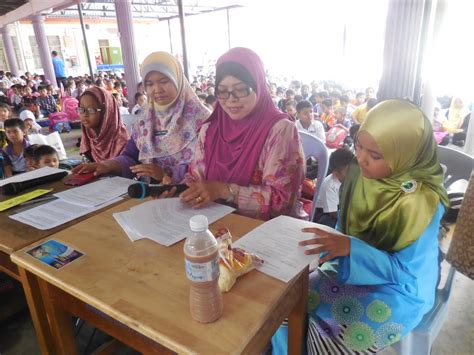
151	170
331	243
201	193
97	168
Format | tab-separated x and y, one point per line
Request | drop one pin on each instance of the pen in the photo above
46	198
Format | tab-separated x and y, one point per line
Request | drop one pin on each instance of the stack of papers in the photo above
75	203
276	242
166	221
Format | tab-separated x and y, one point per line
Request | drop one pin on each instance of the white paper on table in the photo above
37	173
97	192
55	213
276	242
166	221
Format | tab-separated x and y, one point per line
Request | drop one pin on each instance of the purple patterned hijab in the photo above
232	147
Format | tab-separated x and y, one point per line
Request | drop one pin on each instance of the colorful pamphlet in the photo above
54	253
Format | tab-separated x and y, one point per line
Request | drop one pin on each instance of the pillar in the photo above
123	9
9	51
402	50
45	55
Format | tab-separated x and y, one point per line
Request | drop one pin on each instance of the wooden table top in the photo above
15	235
143	285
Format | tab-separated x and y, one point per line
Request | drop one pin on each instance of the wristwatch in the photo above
234	191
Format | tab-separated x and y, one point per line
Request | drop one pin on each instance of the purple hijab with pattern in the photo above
232	147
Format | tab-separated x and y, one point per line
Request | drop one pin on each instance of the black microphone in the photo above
15	187
142	190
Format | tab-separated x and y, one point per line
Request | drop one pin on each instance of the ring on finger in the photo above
198	199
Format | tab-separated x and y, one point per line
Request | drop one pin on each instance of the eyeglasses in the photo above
90	110
236	93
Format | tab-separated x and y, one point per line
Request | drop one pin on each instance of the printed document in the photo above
166	221
96	193
276	242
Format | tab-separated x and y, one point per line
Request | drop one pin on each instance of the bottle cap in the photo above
198	223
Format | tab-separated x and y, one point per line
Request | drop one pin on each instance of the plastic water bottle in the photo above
202	270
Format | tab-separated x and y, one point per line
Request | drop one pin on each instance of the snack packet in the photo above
234	262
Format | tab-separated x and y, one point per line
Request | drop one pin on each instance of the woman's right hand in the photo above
97	168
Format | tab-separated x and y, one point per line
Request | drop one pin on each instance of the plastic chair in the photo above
420	340
459	164
314	147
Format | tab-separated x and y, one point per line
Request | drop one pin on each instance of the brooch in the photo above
408	186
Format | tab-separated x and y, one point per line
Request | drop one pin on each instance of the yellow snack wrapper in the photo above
234	262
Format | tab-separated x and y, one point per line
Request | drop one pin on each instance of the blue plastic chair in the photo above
420	340
314	147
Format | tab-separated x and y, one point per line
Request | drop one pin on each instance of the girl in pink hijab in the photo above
104	135
248	152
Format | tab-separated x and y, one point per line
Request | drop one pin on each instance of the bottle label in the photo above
202	272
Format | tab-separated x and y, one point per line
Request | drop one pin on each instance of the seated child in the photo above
327	118
328	198
41	155
29	155
5	113
46	102
305	121
13	160
290	109
341	119
140	104
30	122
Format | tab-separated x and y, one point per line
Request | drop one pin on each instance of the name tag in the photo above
161	133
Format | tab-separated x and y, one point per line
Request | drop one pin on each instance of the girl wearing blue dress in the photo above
378	280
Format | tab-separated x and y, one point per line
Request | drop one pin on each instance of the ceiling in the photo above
9	5
150	9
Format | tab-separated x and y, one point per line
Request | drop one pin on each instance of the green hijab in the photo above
391	213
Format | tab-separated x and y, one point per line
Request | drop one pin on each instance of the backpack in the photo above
58	122
69	106
335	137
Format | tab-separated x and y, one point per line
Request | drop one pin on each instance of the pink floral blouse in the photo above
276	182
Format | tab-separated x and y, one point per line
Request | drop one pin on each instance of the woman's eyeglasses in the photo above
236	93
90	110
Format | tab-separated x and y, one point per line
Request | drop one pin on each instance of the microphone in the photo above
141	190
15	187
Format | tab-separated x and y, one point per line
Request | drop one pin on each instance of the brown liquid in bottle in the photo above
205	298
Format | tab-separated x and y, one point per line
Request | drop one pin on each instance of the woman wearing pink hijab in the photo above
248	152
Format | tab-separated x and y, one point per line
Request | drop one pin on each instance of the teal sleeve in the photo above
367	265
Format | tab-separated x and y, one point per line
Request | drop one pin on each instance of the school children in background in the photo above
41	155
290	109
29	155
359	99
341	119
46	102
289	96
327	118
328	198
305	121
140	103
211	102
359	114
5	113
13	160
30	122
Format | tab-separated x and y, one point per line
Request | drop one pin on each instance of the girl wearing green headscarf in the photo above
378	279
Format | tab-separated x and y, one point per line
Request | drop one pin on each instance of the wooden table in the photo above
138	293
14	236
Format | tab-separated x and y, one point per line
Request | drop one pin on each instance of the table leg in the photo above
60	322
37	311
297	318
